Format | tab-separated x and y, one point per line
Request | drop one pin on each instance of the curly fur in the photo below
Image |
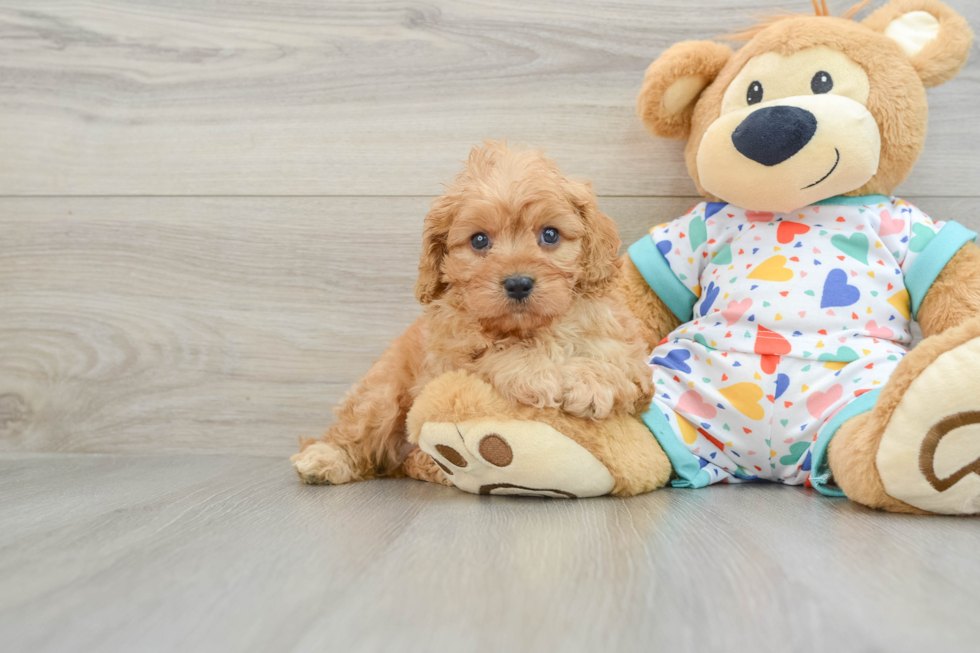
571	345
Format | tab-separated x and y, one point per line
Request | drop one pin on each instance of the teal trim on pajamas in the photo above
933	259
860	200
820	468
686	465
658	275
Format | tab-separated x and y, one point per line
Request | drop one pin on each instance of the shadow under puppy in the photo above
522	323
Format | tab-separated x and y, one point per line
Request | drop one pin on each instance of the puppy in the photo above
516	278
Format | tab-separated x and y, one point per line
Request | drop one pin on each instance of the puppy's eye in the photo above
550	236
480	241
754	94
822	82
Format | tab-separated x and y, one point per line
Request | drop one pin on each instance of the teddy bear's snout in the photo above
772	135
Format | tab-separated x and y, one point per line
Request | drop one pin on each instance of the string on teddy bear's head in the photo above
820	9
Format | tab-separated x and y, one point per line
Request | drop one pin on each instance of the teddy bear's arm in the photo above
658	320
955	295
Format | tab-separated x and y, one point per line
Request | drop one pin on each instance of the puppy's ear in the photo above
673	83
429	285
600	242
935	38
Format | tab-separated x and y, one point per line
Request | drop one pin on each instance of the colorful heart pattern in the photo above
818	403
922	235
736	310
855	246
772	269
692	402
698	233
675	359
787	232
796	315
876	331
768	341
745	398
796	451
759	216
727	408
837	292
710	295
890	226
842	355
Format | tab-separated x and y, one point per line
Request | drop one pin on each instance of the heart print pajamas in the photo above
792	324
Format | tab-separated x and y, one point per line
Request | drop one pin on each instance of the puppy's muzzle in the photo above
518	287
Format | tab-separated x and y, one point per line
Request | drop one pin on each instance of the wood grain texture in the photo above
225	553
223	234
299	97
213	324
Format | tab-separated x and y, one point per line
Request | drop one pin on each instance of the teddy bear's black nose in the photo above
774	134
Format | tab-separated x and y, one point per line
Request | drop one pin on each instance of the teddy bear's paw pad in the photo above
514	457
929	456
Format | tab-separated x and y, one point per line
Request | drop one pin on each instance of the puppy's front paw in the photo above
640	393
586	396
419	465
322	463
537	389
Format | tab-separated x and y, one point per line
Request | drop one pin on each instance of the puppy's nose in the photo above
774	134
518	287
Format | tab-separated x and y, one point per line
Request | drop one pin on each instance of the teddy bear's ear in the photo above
935	38
673	83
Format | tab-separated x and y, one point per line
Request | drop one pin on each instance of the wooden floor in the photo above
210	220
229	553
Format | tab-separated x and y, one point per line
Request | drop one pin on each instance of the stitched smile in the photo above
826	175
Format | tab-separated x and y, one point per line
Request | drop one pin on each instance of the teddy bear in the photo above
779	310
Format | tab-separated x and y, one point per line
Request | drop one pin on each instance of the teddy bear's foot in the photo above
492	456
487	445
919	449
929	455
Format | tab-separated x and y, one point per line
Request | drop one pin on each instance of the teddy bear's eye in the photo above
754	95
822	82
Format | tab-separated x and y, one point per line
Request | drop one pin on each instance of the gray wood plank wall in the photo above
210	211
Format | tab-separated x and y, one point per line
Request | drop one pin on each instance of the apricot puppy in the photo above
516	279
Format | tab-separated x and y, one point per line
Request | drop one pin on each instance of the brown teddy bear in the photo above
781	308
